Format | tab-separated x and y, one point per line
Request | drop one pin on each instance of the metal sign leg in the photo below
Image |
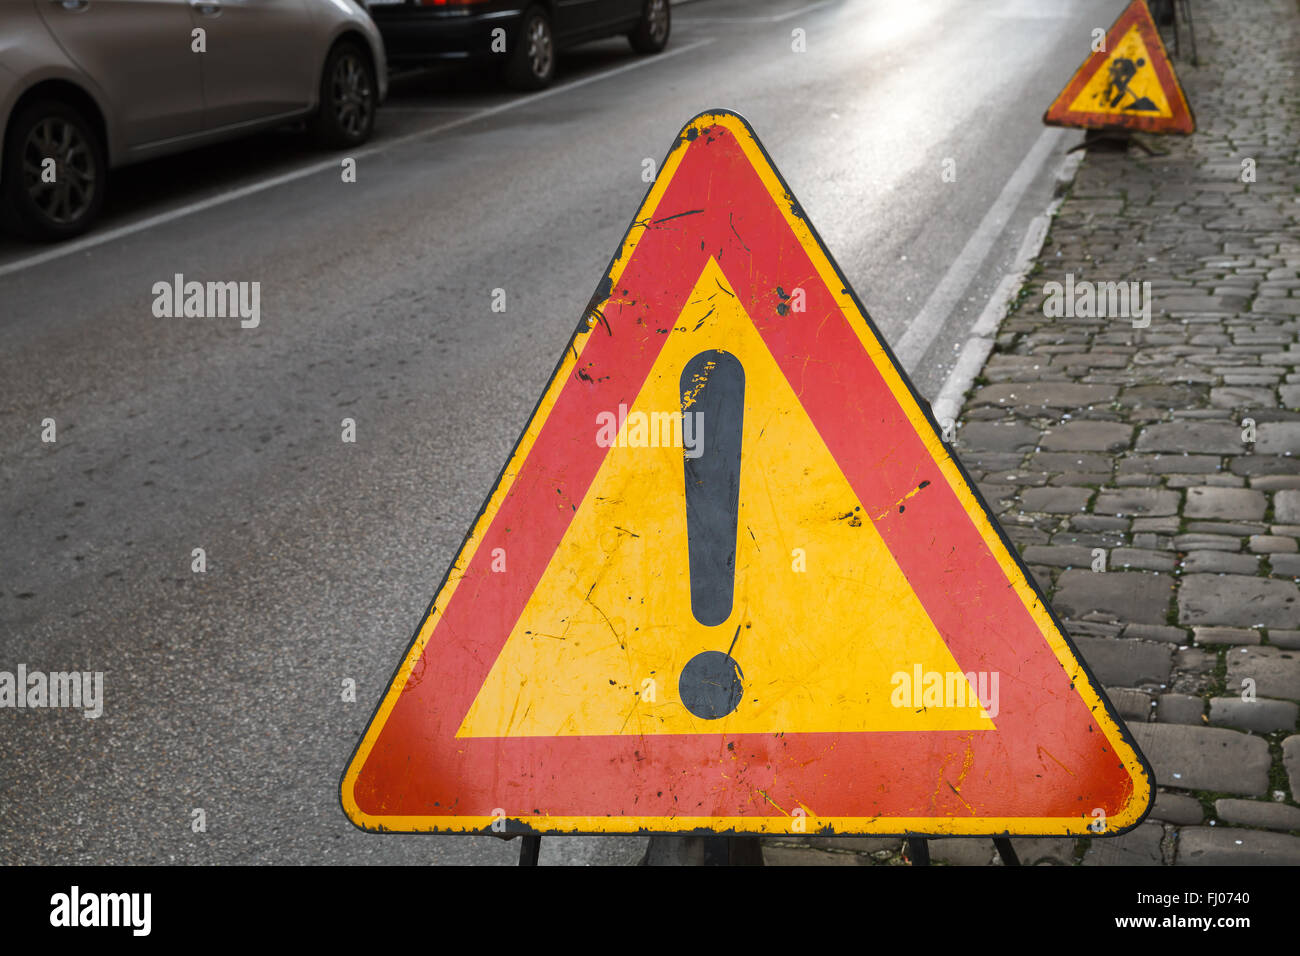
530	848
918	848
1006	851
703	851
1107	140
1183	8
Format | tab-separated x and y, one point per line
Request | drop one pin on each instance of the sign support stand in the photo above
1117	140
530	848
918	850
1006	851
741	851
717	850
1183	9
703	851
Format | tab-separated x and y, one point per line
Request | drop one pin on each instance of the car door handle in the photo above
73	5
206	8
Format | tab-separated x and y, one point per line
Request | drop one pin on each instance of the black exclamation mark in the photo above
713	409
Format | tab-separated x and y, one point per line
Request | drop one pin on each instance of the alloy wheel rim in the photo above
350	90
539	47
72	193
658	20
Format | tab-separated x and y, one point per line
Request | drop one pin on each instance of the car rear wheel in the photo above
651	34
52	200
531	64
346	115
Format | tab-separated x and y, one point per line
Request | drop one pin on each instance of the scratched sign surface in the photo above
731	579
1128	84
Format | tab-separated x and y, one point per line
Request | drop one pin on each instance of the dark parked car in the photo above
523	37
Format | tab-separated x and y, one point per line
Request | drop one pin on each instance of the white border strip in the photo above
980	344
773	18
938	308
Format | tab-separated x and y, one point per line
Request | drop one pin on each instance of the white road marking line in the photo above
302	172
775	18
929	322
802	10
980	344
432	109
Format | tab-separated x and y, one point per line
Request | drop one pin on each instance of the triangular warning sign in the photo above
731	579
1128	84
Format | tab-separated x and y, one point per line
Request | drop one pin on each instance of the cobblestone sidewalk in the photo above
1175	450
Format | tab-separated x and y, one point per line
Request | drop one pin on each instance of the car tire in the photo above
68	206
348	98
651	34
531	64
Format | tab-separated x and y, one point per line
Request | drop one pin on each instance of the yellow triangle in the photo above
600	646
1112	90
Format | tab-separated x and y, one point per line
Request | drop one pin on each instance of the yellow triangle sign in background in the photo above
1127	83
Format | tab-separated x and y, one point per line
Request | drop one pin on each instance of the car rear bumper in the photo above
420	34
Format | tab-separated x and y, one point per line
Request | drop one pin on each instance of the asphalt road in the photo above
222	689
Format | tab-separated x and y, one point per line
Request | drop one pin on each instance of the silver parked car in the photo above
86	85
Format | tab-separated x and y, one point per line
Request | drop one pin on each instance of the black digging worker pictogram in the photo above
1122	71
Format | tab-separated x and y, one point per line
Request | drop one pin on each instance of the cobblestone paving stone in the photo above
1174	448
